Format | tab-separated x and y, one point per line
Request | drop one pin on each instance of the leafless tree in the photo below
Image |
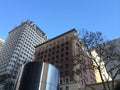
102	53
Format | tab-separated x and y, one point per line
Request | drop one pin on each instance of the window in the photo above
61	60
53	53
53	48
57	56
61	74
66	48
45	56
66	43
41	52
66	73
49	49
67	53
67	87
49	54
61	88
62	55
52	58
61	67
67	65
48	60
62	45
57	46
62	49
57	51
67	80
61	81
56	61
67	58
45	51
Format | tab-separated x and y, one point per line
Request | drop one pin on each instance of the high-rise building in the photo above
61	51
1	43
19	47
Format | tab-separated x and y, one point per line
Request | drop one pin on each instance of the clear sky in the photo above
55	17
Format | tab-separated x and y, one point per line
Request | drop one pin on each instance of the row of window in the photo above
55	47
66	80
31	33
53	51
53	56
66	73
66	88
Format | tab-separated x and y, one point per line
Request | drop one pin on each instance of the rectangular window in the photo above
67	73
49	49
67	80
61	60
62	45
67	58
57	56
62	55
67	87
66	43
57	51
61	82
67	53
61	88
67	65
57	46
61	74
53	48
62	50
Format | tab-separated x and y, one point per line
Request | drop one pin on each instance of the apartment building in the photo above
19	47
60	51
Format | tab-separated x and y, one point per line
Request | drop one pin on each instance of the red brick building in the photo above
60	52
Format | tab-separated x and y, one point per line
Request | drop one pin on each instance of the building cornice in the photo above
72	30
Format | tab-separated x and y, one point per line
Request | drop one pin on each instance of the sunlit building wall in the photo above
1	43
103	69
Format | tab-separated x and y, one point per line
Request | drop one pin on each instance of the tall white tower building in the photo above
19	47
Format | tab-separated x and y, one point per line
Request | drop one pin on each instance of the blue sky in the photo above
55	17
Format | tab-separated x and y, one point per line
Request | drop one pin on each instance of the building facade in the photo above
108	60
99	86
1	43
19	47
113	67
60	51
104	73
